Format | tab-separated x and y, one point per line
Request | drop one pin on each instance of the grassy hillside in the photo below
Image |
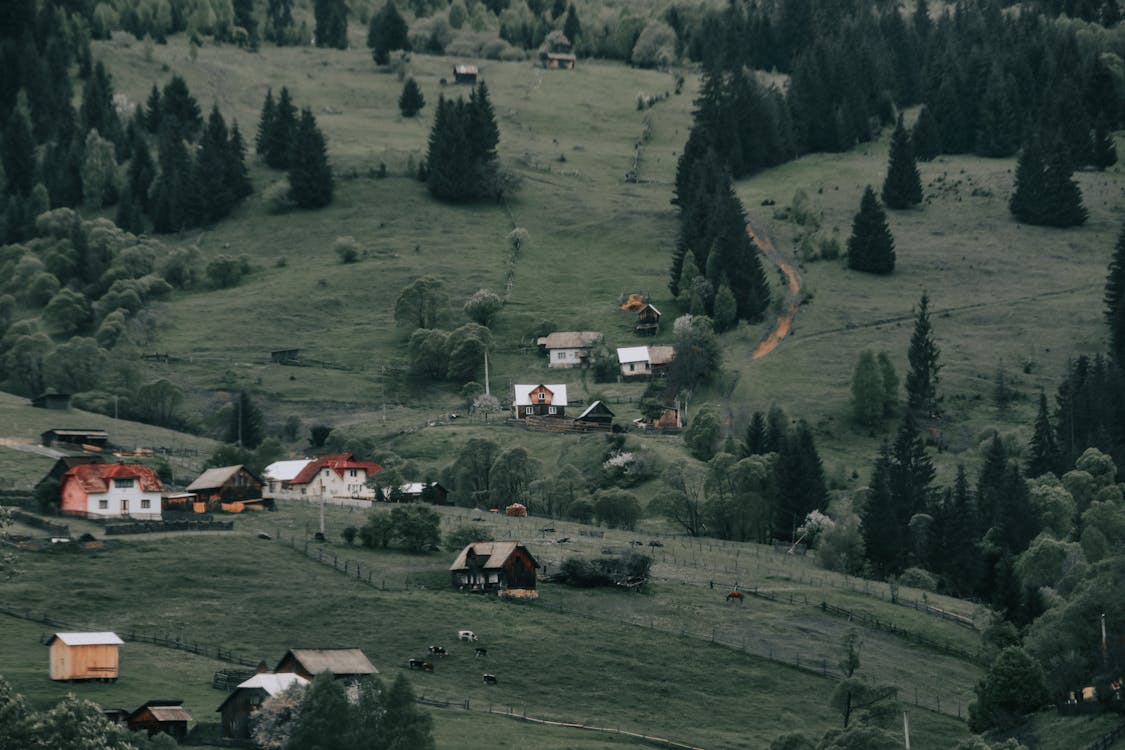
661	663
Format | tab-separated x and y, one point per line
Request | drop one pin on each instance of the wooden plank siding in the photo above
92	662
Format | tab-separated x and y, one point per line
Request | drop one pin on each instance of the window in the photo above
146	503
529	410
123	484
353	472
542	395
103	505
494	578
552	410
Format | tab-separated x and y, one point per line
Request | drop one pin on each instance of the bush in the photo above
225	271
347	249
466	534
918	579
604	571
277	198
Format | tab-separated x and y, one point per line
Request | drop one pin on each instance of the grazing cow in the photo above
489	679
427	667
735	595
417	663
438	651
466	635
478	651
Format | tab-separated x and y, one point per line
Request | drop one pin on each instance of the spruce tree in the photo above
324	719
1043	453
170	211
867	391
1115	300
902	187
237	176
18	154
1044	193
279	21
411	101
481	128
962	567
447	161
572	27
912	470
387	31
244	18
211	170
871	248
179	110
97	111
800	481
311	183
755	442
265	125
998	121
151	112
883	530
925	136
282	132
922	379
331	23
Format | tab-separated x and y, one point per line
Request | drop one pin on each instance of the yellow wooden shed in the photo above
84	656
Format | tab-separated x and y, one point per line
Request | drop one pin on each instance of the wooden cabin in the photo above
228	487
158	716
344	663
568	348
494	567
648	321
539	400
596	413
248	697
74	439
465	73
558	60
84	656
59	401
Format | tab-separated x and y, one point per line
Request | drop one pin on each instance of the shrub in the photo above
225	271
347	249
277	198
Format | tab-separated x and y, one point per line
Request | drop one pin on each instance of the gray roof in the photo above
213	478
593	406
87	639
523	393
498	553
569	339
340	661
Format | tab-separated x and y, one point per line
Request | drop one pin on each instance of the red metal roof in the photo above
94	478
338	463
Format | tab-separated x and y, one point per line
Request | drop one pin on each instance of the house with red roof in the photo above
337	476
111	491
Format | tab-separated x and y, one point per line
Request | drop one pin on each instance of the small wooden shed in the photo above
241	705
158	716
465	73
84	656
493	567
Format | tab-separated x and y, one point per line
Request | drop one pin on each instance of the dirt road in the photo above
792	301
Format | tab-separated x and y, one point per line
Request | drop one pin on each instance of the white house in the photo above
111	491
337	476
277	476
644	360
568	348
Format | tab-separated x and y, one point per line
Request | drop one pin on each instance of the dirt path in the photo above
792	293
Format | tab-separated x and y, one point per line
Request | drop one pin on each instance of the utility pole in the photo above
487	390
906	728
1105	650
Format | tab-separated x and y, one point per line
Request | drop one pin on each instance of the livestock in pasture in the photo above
478	651
438	651
466	635
736	596
427	667
416	663
489	679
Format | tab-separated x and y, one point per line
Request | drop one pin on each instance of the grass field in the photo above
653	663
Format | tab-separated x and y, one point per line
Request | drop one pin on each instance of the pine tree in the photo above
871	248
331	23
1043	453
170	211
922	379
998	122
265	124
311	183
247	427
572	27
800	481
324	719
777	427
141	170
211	170
1045	193
902	187
283	129
447	153
244	18
405	725
481	128
279	22
990	481
411	101
179	110
97	111
883	530
912	470
925	136
18	154
1115	300
151	112
755	442
962	566
387	31
237	176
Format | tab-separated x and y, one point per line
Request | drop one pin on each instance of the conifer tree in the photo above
244	18
324	719
925	136
1045	193
283	130
902	187
777	427
998	121
279	21
387	31
331	23
265	124
755	442
871	248
963	563
990	481
800	481
912	471
18	154
1043	453
883	530
179	110
1115	300
411	101
572	27
151	112
97	111
867	391
211	170
447	160
481	129
922	379
405	725
141	172
237	177
311	183
171	198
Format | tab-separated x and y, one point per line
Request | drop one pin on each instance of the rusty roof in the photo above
569	339
339	661
94	478
497	553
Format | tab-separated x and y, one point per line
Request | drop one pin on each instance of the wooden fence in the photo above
1109	740
889	627
156	527
30	519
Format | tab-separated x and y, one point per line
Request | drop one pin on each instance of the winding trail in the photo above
792	293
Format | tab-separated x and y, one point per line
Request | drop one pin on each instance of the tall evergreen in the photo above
922	379
871	248
179	110
800	481
283	129
755	442
279	22
411	101
151	111
244	18
331	23
962	562
912	470
265	125
247	426
97	111
324	719
883	530
171	209
902	187
1043	451
237	175
925	136
572	27
387	31
461	156
211	169
998	119
990	481
311	183
1115	300
18	154
1044	193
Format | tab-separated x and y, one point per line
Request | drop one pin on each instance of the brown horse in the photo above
736	595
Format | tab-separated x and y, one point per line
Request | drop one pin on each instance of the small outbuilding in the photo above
494	567
159	716
344	663
75	439
465	73
596	413
568	348
248	697
84	656
228	487
49	400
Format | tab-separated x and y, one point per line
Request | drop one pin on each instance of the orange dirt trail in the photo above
792	295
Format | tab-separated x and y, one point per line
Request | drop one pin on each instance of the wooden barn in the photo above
65	437
158	716
465	73
648	321
248	697
228	488
494	567
558	60
344	663
84	656
51	401
596	413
